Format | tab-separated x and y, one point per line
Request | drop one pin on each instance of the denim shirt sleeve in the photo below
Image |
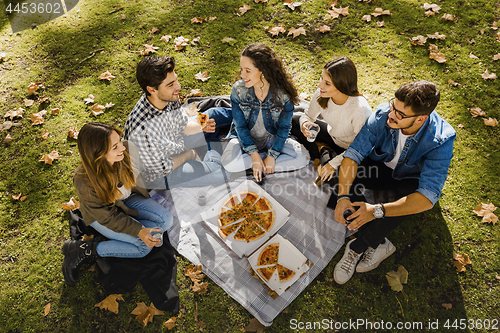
241	124
435	171
284	126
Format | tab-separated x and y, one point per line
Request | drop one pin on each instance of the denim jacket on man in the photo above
426	155
277	117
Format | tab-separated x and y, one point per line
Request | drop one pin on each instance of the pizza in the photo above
247	216
268	257
202	119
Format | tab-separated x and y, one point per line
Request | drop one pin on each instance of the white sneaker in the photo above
346	266
373	257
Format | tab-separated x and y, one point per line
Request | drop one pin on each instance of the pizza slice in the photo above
262	205
284	273
249	231
202	119
226	231
269	255
266	272
265	220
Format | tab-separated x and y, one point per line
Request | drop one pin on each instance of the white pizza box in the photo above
242	248
288	256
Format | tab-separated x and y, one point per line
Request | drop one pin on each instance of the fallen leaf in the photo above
366	18
496	56
212	18
123	17
436	35
497	277
14	113
89	99
335	12
106	76
436	55
472	56
447	306
28	102
34	86
46	309
380	11
380	23
166	38
494	25
43	99
109	105
200	287
429	13
435	8
277	29
257	1
110	303
145	313
97	109
292	5
460	261
254	326
72	204
154	30
169	324
419	40
50	157
296	32
194	93
453	83
197	20
73	132
229	40
475	112
244	9
448	17
194	272
37	118
397	279
149	48
117	8
180	43
323	28
16	197
8	138
45	134
195	40
202	76
55	111
8	124
488	76
490	122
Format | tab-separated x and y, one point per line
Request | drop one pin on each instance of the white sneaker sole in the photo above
364	270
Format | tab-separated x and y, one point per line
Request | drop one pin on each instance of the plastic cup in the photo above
348	212
158	234
201	197
314	130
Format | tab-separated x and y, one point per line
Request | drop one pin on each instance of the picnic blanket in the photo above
311	228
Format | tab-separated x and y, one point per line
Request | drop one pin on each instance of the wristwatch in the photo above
379	211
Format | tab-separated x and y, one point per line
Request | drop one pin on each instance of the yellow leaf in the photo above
106	76
170	323
292	5
380	11
72	204
380	23
296	32
323	28
475	112
419	40
97	109
46	309
448	17
154	30
453	83
436	35
49	158
366	18
490	121
145	313
149	49
89	99
197	20
116	9
194	93
45	134
180	43
28	102
37	118
277	29
460	261
73	132
110	303
13	114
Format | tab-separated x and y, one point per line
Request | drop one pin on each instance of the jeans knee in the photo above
143	250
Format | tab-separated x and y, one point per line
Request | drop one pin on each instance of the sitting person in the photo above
163	135
405	147
110	203
262	108
344	111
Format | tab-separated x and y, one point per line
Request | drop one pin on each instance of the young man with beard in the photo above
162	135
404	147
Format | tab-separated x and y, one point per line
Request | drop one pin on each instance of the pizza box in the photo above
288	256
243	248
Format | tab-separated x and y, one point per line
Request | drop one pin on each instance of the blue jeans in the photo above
151	215
223	118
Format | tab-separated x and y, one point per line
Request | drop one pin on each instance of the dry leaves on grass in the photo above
45	134
198	20
194	93
55	111
43	99
149	48
380	23
28	102
453	83
419	40
436	55
472	56
195	274
448	17
447	306
460	261
257	1
19	197
34	86
229	40
244	9
8	138
336	12
202	76
73	132
106	76
366	18
380	11
37	118
486	211
72	204
46	309
117	8
496	56
180	43
97	109
89	99
277	29
169	324
122	16
254	326
436	35
431	9
397	279
154	30
166	38
476	112
490	122
323	28
14	113
50	157
296	32
110	303
145	313
292	5
487	76
8	124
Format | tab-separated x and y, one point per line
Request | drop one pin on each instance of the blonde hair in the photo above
93	144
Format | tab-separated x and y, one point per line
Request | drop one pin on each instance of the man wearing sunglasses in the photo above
405	148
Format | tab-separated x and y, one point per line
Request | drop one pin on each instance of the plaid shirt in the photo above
158	134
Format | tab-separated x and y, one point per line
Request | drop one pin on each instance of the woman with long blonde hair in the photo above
110	202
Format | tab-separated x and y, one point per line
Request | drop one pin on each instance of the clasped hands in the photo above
259	165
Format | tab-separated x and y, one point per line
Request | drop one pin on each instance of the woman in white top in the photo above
344	111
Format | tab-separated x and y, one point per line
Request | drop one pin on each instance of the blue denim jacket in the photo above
277	117
426	156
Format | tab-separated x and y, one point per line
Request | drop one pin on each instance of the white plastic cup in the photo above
158	234
202	197
314	130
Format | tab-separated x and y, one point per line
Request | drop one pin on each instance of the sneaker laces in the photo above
368	256
349	262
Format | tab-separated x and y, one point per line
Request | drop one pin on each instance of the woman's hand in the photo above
326	172
305	128
269	164
149	240
257	166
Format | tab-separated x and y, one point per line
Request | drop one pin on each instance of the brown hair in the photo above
152	71
271	66
93	145
344	76
422	96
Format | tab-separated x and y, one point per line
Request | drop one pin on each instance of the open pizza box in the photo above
243	248
288	256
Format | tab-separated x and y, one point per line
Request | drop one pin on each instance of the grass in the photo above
32	231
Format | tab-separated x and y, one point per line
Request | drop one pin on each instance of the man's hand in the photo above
269	164
362	216
342	205
210	128
326	172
